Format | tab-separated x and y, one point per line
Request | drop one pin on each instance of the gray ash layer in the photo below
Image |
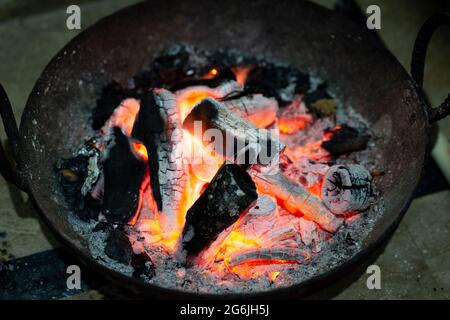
273	80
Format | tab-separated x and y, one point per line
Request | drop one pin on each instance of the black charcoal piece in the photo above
346	140
118	247
123	174
229	194
112	95
148	127
143	265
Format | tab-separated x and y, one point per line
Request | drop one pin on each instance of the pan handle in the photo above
418	62
7	169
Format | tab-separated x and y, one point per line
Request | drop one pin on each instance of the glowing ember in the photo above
241	73
288	221
140	150
274	275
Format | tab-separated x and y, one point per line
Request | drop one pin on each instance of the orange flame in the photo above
190	100
140	150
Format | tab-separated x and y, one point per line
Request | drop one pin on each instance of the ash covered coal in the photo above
302	220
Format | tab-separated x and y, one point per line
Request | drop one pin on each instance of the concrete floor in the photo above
416	262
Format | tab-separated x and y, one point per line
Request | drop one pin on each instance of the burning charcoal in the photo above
213	115
256	109
223	89
308	231
242	141
272	255
283	234
229	194
260	218
346	140
148	128
347	188
264	206
118	247
296	197
187	98
294	117
123	174
123	117
143	265
159	128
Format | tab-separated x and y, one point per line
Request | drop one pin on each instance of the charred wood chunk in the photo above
230	194
296	197
269	256
346	140
256	109
118	247
347	188
143	265
148	128
239	140
123	174
168	172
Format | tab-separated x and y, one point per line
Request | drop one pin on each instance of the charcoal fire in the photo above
229	194
221	173
294	116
